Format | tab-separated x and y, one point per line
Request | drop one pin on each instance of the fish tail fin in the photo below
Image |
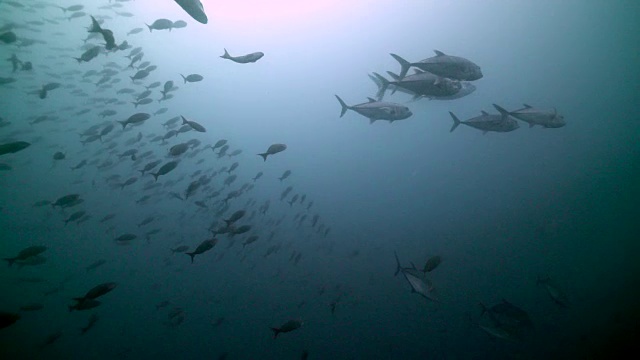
192	256
225	55
150	28
394	76
345	107
79	60
155	176
135	103
382	88
123	123
184	121
398	267
10	261
276	331
404	65
184	78
456	121
264	156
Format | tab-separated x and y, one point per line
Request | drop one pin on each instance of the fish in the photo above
486	122
178	149
235	217
75	216
452	67
139	75
94	265
8	37
544	118
89	55
125	238
27	253
420	84
202	248
194	125
192	78
273	149
377	110
95	292
92	321
160	24
195	9
13	147
419	284
179	24
135	119
287	327
258	176
135	31
557	295
66	201
244	59
284	175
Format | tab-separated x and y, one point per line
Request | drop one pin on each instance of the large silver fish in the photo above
453	67
377	110
195	9
487	122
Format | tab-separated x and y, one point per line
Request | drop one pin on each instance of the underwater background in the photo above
508	214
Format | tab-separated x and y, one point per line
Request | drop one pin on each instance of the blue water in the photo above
501	209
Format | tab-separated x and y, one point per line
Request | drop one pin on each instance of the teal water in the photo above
501	209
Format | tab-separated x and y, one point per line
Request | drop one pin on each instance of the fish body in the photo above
13	147
449	66
203	247
377	110
544	118
27	253
273	149
287	327
195	9
243	59
487	122
194	125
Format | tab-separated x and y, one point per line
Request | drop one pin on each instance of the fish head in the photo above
472	72
557	121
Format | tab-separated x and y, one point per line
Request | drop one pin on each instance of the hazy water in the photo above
501	209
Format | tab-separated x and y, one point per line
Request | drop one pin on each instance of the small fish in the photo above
195	9
203	247
192	78
287	327
244	59
273	149
194	125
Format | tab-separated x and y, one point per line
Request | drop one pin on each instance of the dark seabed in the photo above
127	148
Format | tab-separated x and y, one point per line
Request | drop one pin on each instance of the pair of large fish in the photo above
505	122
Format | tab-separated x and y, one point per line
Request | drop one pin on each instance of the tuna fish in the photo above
544	118
195	9
453	67
192	78
377	110
165	169
487	122
194	125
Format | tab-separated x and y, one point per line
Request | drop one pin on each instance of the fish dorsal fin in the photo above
394	76
439	53
527	106
484	112
371	99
